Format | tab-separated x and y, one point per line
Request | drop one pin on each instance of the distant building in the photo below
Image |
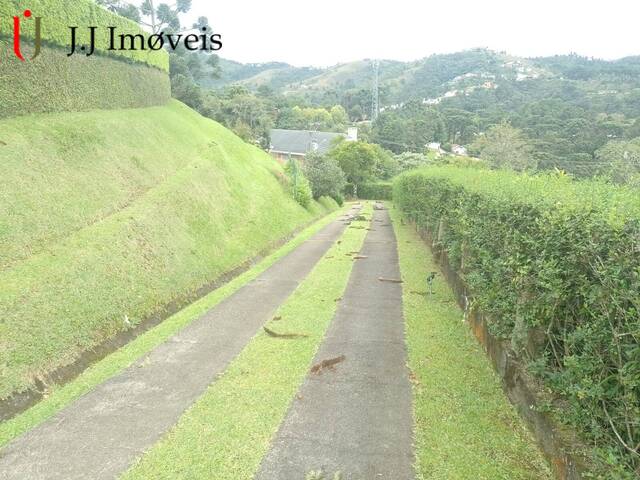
458	149
434	147
352	134
298	143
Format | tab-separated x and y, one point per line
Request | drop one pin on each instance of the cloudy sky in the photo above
326	32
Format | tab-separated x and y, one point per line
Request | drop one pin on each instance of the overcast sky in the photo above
326	32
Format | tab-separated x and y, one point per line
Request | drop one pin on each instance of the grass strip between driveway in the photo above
225	434
60	396
465	427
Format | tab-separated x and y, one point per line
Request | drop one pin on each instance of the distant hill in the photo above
434	76
567	106
276	75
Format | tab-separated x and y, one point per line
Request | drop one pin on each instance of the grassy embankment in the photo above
465	426
225	434
60	396
107	216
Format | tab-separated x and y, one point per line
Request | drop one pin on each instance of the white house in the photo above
458	149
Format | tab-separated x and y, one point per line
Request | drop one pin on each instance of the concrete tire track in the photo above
355	419
100	434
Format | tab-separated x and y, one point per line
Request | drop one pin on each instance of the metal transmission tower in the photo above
375	94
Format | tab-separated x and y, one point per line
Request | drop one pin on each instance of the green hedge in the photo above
555	265
55	83
58	15
375	191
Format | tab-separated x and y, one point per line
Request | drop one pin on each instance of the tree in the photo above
163	16
300	187
504	146
357	160
409	161
121	8
386	164
409	128
325	175
311	118
339	116
620	160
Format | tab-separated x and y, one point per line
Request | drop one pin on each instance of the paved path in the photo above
355	419
100	434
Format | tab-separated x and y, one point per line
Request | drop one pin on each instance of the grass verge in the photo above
225	434
465	426
107	217
60	396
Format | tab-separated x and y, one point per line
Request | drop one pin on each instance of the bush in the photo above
375	191
299	185
328	203
561	259
59	14
325	176
462	161
410	160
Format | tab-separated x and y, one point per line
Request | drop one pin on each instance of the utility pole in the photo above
375	94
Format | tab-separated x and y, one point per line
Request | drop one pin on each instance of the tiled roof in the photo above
301	141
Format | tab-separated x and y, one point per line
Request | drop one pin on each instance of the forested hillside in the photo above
567	107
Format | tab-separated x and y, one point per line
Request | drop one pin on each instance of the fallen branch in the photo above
329	363
271	333
392	280
358	257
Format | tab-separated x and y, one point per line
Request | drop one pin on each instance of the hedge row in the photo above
375	191
54	83
555	265
58	15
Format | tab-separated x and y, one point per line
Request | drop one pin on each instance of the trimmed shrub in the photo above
375	191
58	15
325	176
558	261
298	184
54	82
